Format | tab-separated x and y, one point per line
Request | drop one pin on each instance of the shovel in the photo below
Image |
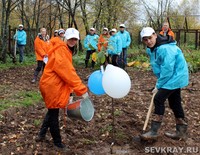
148	113
137	138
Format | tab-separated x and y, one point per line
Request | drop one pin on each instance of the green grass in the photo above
28	60
193	59
37	122
79	59
107	128
117	112
20	98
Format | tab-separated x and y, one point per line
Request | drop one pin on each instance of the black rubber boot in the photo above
34	79
43	129
55	131
62	147
152	133
93	63
86	63
181	130
35	76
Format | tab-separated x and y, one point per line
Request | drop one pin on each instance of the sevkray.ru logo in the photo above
193	150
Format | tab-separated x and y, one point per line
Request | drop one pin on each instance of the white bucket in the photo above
82	109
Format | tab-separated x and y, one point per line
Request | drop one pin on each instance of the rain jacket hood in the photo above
162	40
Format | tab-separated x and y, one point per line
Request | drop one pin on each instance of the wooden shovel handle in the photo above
149	112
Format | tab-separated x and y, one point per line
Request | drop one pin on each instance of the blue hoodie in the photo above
114	45
125	37
169	66
21	37
91	41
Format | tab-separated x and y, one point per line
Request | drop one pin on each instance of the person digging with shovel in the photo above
170	68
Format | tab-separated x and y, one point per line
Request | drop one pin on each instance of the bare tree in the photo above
7	8
71	7
156	15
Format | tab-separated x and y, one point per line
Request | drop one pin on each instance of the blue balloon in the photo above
95	83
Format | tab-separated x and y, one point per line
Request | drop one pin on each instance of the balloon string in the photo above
102	69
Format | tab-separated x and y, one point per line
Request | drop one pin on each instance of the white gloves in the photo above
86	95
45	59
155	90
70	99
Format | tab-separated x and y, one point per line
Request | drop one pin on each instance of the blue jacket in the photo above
114	45
125	37
169	66
21	37
91	41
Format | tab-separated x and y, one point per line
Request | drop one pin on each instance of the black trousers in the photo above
115	60
40	67
174	98
87	58
51	121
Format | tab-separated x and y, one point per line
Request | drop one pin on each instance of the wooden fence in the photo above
182	35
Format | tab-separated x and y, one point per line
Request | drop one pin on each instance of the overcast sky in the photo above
194	4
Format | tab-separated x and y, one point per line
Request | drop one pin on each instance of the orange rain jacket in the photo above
53	41
59	78
103	41
170	33
41	48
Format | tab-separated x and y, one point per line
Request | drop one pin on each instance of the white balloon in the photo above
116	82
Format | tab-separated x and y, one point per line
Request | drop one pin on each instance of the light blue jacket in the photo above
114	45
125	37
169	66
91	41
21	37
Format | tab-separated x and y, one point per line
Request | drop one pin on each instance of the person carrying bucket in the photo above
58	80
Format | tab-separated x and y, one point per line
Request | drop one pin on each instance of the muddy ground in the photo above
19	126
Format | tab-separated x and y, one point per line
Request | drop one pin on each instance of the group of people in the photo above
114	45
59	78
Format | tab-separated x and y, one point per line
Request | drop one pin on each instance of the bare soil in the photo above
19	127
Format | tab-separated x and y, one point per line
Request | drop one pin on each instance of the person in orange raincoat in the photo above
103	39
58	80
103	42
54	39
166	30
41	47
